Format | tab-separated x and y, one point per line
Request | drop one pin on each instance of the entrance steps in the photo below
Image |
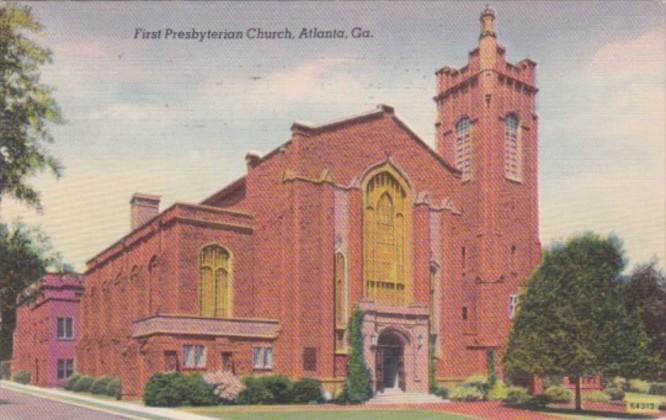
399	397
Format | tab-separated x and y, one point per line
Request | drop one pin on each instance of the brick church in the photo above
262	276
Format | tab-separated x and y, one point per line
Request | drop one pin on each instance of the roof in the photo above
381	111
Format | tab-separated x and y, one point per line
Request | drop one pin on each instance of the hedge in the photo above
175	388
658	388
22	377
306	391
99	385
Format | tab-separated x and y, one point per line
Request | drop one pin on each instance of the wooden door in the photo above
401	371
379	369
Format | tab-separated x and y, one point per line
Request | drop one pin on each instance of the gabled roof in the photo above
381	111
314	129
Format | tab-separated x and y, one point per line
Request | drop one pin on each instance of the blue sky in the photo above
176	117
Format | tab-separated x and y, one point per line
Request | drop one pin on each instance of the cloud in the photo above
613	132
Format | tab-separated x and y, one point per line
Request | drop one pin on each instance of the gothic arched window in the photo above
512	149
463	147
215	282
387	227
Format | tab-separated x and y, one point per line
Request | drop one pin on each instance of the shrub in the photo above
99	385
226	386
498	392
516	395
558	394
114	388
490	367
357	386
255	392
5	369
175	388
538	401
466	393
597	396
72	380
442	392
615	388
280	387
658	388
83	384
637	385
22	377
307	390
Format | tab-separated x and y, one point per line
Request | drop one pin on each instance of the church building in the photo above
262	276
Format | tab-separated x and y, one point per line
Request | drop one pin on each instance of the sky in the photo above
176	117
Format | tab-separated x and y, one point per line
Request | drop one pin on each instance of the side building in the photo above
47	329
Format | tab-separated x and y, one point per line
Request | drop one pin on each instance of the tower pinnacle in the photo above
487	22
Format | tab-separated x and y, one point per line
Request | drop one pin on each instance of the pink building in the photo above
47	329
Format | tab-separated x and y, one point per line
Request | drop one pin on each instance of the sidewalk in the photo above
120	408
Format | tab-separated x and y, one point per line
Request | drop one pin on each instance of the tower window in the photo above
464	313
463	147
513	304
463	256
512	149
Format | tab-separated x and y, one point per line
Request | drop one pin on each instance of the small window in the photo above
513	303
194	356
463	256
340	342
464	313
65	329
65	368
310	359
262	357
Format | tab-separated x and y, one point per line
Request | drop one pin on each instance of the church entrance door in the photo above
390	363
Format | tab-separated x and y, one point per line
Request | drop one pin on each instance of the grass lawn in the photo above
308	413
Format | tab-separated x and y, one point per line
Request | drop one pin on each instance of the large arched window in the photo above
463	147
512	149
387	227
214	282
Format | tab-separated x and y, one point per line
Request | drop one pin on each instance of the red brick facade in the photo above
470	241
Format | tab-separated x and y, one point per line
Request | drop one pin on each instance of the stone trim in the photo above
191	325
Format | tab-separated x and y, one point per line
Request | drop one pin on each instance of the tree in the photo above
26	106
646	293
25	256
357	386
573	318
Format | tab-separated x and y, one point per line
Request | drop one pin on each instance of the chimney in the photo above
143	207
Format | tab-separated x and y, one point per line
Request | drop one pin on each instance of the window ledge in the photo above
65	339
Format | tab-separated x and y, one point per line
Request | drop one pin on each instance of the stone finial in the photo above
487	22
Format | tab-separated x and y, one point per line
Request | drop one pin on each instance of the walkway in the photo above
119	409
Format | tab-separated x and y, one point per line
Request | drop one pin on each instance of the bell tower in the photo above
487	128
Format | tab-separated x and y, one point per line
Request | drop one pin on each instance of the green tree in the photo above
26	106
357	386
573	317
25	256
646	293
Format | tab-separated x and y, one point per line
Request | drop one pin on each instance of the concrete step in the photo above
393	397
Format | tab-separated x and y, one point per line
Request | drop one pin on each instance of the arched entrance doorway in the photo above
390	362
